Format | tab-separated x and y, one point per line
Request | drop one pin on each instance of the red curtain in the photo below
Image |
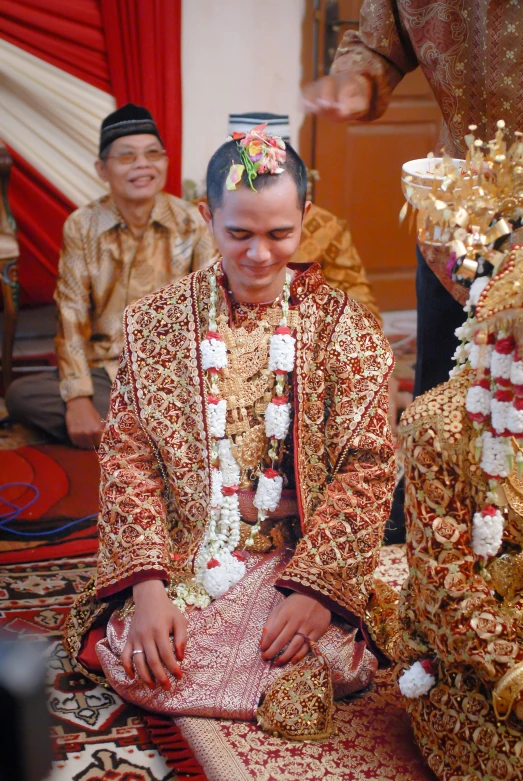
128	48
40	211
69	35
143	40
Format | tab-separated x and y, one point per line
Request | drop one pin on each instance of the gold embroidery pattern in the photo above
299	705
452	606
154	456
346	461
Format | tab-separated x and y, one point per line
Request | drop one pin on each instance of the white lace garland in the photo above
268	493
495	453
478	402
495	404
214	354
217	416
277	420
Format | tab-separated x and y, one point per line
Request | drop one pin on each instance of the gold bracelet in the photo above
506	690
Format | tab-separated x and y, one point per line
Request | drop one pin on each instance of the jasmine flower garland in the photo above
219	566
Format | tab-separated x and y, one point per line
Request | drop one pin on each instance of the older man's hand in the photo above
341	96
83	422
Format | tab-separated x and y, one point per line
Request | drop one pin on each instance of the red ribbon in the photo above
503	395
428	666
483	383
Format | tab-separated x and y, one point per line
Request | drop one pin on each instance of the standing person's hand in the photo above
83	422
291	625
341	97
149	646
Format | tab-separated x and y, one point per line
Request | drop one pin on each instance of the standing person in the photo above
472	57
128	243
247	464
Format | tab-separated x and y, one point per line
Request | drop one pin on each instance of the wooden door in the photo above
359	164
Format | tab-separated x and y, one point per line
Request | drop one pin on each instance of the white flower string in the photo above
417	680
219	566
494	404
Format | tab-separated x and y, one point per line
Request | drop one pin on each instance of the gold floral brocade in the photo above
154	456
452	607
299	705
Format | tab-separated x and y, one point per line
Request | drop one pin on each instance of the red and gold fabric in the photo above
464	614
154	456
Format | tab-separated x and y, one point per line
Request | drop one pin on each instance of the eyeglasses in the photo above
128	158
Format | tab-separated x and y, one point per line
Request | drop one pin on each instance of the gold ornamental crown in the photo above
472	206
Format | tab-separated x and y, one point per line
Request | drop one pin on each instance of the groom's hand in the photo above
291	625
155	619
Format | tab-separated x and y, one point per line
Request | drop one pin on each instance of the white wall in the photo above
237	56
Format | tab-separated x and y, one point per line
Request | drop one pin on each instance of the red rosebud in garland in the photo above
229	490
279	400
505	346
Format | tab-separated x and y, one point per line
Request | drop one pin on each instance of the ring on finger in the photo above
305	637
137	651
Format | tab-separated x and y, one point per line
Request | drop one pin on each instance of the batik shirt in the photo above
470	51
104	268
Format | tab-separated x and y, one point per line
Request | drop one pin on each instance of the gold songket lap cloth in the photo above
103	268
223	674
336	462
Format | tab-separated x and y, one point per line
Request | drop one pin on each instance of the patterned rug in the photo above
98	737
95	735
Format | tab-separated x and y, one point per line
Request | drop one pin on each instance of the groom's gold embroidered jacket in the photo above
155	490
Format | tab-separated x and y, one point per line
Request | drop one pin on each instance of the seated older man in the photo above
116	249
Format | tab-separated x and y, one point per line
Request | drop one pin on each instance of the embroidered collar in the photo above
307	279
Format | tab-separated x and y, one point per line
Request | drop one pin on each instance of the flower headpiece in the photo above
260	153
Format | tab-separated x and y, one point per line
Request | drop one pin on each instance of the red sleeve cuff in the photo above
352	619
130	581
